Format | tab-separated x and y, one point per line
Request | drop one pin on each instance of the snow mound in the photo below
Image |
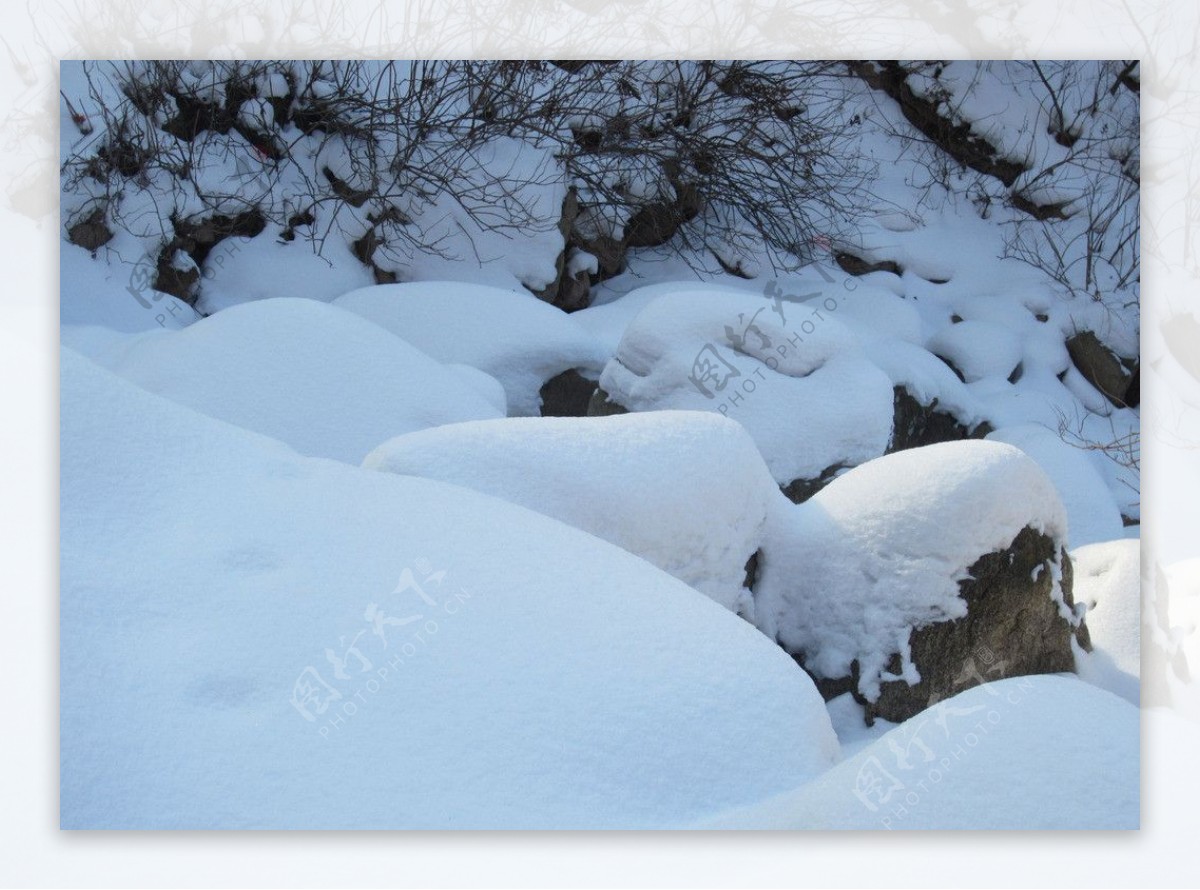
607	322
260	268
979	349
217	588
881	549
1092	514
802	388
877	312
684	490
319	378
518	339
1026	753
1108	581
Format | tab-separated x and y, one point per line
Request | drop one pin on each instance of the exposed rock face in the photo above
574	291
855	265
800	490
91	232
915	424
197	238
1013	627
609	253
1100	366
568	394
174	279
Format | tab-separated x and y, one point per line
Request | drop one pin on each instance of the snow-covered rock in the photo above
518	339
684	490
932	404
920	573
241	648
801	386
315	376
1023	753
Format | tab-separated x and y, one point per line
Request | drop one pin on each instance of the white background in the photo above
32	850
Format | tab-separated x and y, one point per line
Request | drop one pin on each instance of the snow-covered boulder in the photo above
684	490
800	385
319	378
1022	753
520	340
921	573
252	639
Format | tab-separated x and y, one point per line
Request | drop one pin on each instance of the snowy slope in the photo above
684	490
550	681
1025	753
317	377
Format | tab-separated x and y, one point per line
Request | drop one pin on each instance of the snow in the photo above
516	338
927	378
607	321
1092	515
553	681
978	349
321	379
684	490
110	294
502	229
881	549
259	268
803	388
1108	582
1024	753
208	558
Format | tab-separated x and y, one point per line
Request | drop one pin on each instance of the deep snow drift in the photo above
479	665
1108	583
